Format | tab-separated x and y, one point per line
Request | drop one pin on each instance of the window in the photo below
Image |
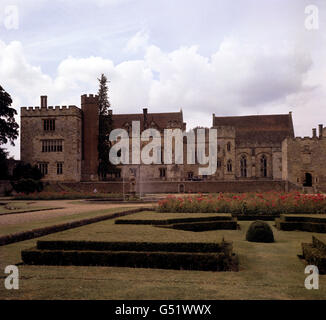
52	146
162	172
190	175
229	166
263	166
243	166
49	124
43	166
308	180
228	146
59	167
219	163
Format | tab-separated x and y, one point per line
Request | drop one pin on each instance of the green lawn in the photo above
267	270
25	226
19	207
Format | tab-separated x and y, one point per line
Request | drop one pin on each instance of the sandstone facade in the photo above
62	141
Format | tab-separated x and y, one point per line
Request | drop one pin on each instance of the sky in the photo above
242	57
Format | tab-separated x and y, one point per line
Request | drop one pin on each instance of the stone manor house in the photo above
255	153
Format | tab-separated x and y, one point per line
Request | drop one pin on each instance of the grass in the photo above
25	226
267	270
20	207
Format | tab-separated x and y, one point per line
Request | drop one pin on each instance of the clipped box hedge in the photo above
319	243
300	226
209	261
225	247
254	217
173	221
296	218
314	256
204	226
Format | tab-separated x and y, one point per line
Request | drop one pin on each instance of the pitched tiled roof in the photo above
261	129
159	120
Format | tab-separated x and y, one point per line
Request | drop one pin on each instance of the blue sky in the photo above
223	57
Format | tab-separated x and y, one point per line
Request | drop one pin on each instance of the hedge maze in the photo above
315	253
180	256
290	222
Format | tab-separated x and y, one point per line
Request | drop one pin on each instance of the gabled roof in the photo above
161	120
262	129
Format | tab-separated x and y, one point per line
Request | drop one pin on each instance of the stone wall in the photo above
186	186
302	156
67	128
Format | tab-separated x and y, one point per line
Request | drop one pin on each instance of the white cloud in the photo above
138	42
237	79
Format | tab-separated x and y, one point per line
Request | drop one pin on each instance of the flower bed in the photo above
268	203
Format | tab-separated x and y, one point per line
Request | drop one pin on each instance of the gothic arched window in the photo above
263	166
243	166
229	166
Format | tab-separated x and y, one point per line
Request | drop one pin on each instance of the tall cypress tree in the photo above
105	127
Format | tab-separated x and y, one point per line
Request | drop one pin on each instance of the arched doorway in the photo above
308	180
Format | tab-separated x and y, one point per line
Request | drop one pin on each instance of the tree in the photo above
8	129
105	127
103	99
8	125
3	164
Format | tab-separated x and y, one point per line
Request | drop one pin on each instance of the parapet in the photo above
89	99
50	111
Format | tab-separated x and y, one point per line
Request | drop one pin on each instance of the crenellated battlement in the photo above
89	99
50	111
305	138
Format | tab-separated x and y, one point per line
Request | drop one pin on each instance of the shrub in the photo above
26	171
26	179
260	231
27	185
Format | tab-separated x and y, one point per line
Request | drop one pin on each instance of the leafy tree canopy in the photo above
8	125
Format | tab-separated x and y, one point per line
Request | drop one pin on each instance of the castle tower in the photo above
51	139
89	106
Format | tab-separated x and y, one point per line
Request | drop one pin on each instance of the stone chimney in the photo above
44	102
320	130
145	117
314	133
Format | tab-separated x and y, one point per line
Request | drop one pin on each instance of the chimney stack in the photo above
44	102
145	117
314	133
320	130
